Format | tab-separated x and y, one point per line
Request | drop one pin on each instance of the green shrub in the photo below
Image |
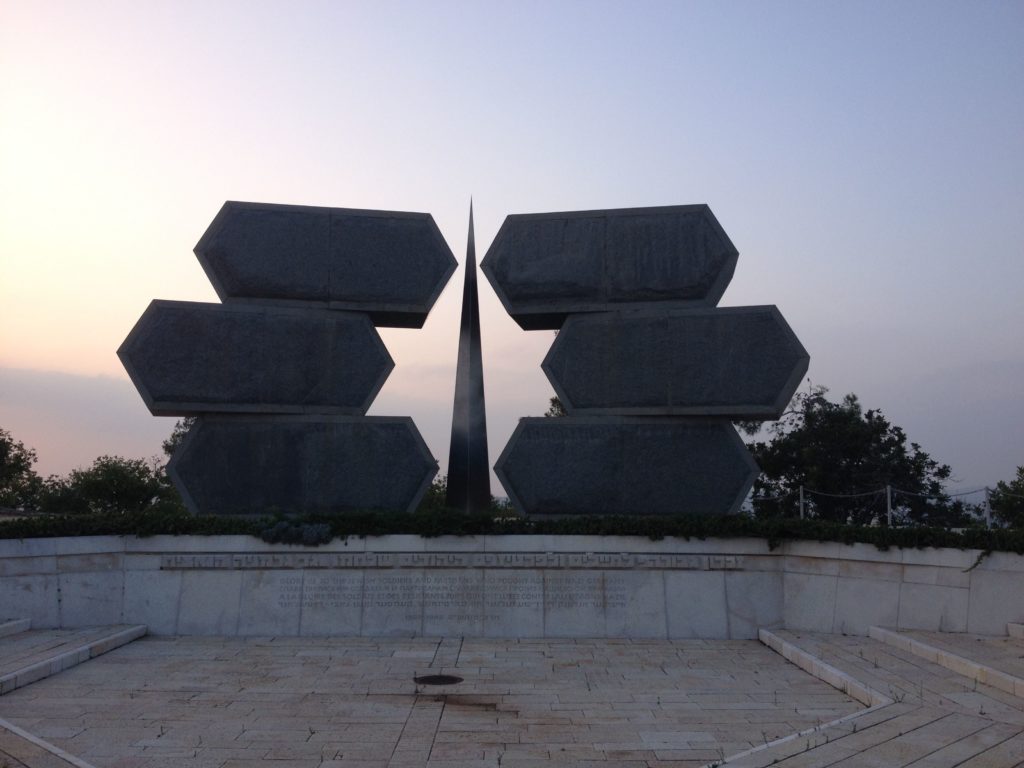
166	517
112	484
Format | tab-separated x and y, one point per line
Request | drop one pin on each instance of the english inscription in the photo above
569	591
514	591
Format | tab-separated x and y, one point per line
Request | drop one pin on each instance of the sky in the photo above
867	160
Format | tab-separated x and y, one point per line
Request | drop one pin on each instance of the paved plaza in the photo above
300	702
356	703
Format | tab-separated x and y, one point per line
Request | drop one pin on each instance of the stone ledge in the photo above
750	757
14	626
823	671
65	659
32	751
952	661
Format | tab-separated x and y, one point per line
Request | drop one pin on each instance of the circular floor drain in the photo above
438	680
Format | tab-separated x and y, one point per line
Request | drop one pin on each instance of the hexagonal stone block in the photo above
623	465
188	357
548	265
389	264
741	362
250	465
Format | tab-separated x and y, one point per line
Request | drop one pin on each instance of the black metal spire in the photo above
469	472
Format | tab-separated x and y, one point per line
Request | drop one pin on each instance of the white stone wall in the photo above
833	587
503	586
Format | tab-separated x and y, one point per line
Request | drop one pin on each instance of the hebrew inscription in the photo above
499	560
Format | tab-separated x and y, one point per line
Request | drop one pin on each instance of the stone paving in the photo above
334	702
353	703
28	656
20	750
1004	654
928	716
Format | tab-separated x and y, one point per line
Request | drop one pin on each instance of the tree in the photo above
19	483
436	497
181	428
1007	500
838	449
111	484
555	407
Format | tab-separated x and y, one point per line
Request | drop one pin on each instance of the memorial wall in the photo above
503	586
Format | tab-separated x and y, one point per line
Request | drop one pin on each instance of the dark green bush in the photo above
168	518
112	484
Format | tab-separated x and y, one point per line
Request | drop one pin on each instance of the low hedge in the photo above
313	529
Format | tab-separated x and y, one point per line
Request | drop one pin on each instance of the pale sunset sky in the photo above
866	158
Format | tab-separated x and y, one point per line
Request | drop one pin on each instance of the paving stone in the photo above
964	748
996	661
36	654
1008	752
22	749
737	696
940	718
918	742
167	686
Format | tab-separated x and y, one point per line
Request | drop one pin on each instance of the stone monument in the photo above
649	371
469	473
282	372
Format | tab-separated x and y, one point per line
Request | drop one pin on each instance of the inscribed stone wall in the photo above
512	586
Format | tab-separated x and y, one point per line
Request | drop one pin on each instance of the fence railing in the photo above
805	497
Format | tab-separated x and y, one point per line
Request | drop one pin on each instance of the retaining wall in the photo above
504	586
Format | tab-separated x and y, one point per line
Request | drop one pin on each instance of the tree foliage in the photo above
111	484
436	497
1007	500
845	457
555	408
181	428
838	449
19	483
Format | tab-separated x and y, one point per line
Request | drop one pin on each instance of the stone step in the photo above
810	663
1008	752
936	719
20	749
906	677
953	652
36	654
983	743
1015	631
14	626
879	728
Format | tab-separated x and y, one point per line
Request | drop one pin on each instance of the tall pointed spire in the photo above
469	478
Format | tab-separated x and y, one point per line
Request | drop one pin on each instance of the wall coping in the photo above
936	556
